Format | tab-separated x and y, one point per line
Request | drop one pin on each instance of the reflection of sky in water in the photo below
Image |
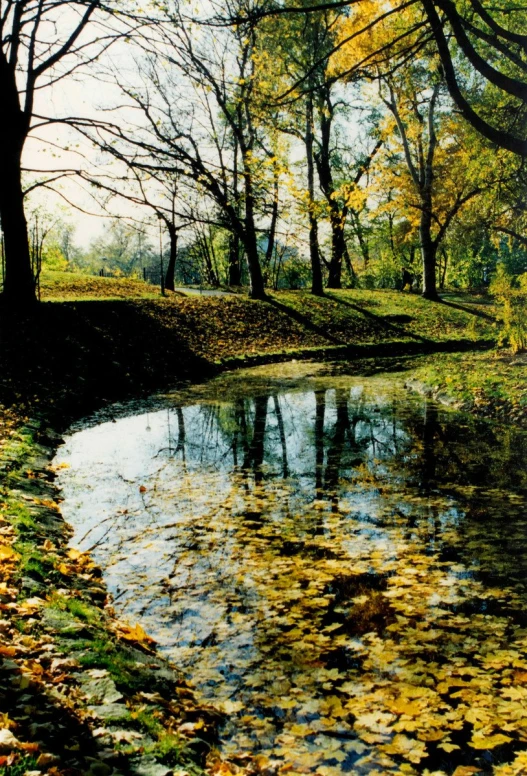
110	462
246	535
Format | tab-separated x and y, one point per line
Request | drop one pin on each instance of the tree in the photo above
440	173
476	45
42	42
493	43
196	93
121	249
294	46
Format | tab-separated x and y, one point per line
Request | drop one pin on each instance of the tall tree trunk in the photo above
235	278
336	216
257	287
314	250
274	219
19	284
171	269
363	243
429	245
443	269
338	248
428	253
235	275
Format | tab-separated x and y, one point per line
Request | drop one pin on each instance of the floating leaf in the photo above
481	741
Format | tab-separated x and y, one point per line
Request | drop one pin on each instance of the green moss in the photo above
24	764
103	652
492	383
149	723
34	563
83	611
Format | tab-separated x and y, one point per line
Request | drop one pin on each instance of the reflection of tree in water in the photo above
254	455
282	521
175	445
335	438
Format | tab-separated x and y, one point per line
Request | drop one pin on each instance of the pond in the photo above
338	565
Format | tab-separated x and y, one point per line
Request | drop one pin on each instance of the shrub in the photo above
511	292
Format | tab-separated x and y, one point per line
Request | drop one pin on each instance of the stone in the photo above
110	711
60	622
148	766
99	689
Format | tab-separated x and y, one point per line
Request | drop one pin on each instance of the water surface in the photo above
338	565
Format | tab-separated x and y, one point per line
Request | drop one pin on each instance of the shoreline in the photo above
107	703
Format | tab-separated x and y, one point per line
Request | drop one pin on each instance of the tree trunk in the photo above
363	243
443	269
428	254
257	287
235	275
235	278
274	220
314	251
19	284
171	269
338	249
336	216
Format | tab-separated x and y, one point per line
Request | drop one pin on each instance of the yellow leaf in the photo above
448	747
407	747
8	553
137	633
480	741
402	706
231	707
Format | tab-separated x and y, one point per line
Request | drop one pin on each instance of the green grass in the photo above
339	317
81	610
102	651
492	383
22	766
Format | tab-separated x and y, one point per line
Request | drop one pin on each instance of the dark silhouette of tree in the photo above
42	42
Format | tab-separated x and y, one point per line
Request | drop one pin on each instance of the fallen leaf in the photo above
8	553
479	741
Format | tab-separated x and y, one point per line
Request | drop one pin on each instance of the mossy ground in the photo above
492	384
114	339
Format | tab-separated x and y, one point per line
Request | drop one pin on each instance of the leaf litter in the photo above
337	598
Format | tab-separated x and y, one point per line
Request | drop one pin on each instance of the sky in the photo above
78	95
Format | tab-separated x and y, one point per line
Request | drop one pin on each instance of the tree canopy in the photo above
321	144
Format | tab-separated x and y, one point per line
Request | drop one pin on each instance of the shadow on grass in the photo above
57	728
80	355
465	309
304	321
379	320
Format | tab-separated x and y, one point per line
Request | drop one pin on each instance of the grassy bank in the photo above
75	355
492	385
87	694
